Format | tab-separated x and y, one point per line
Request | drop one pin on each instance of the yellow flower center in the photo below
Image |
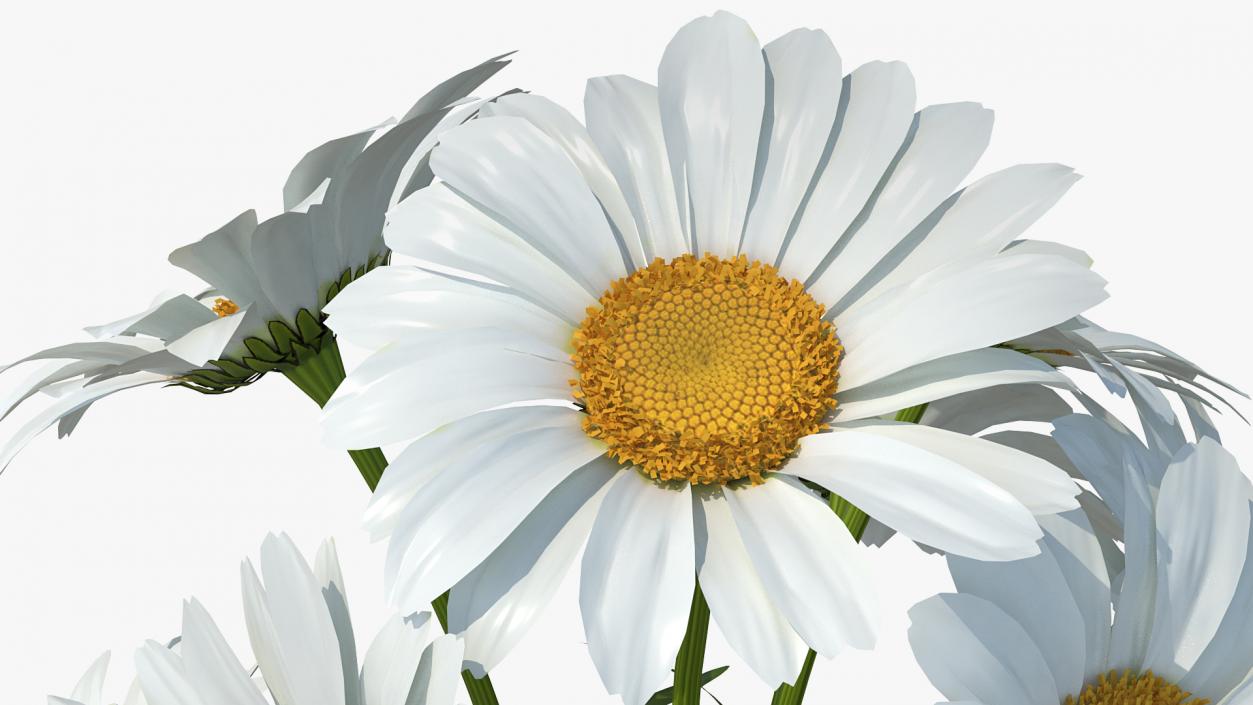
705	369
1129	689
224	307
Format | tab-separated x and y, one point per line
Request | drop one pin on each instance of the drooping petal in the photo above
1072	543
808	562
970	649
391	662
929	498
712	88
740	603
437	677
638	574
210	665
806	81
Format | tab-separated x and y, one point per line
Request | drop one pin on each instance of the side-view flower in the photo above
1039	631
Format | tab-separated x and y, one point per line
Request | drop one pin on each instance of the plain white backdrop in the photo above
129	129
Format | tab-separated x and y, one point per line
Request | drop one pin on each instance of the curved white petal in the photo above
547	202
1203	533
438	673
1040	486
947	141
712	89
815	573
438	226
941	378
927	497
981	219
740	603
638	575
283	256
290	627
211	667
206	342
468	509
427	456
1138	595
624	121
90	687
564	129
496	603
391	662
391	303
880	109
334	592
954	309
407	390
970	649
805	75
1033	592
1069	538
162	677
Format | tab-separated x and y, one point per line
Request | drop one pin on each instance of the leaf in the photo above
665	696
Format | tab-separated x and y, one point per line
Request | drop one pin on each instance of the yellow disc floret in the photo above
705	369
1127	688
224	307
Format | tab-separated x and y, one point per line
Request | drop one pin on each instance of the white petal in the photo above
947	141
880	110
1203	532
955	309
66	406
436	225
805	74
1228	658
407	390
1138	597
290	628
223	259
1071	541
438	671
391	303
712	90
1037	484
331	578
814	571
162	677
972	413
283	255
494	605
472	506
970	649
391	662
206	342
1033	592
210	665
638	575
624	121
982	219
941	378
740	603
89	689
564	129
426	457
927	497
521	176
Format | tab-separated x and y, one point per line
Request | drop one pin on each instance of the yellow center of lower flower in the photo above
1128	689
224	307
705	369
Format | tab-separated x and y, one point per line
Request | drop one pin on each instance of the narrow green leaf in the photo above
665	696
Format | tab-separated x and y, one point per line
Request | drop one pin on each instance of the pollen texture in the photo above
705	369
1127	688
224	307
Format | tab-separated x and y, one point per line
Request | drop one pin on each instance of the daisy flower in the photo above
302	639
670	333
267	280
1039	631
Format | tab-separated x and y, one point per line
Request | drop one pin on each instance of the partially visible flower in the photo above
90	688
1039	631
268	281
302	639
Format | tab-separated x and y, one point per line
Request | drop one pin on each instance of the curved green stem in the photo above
856	520
691	658
319	377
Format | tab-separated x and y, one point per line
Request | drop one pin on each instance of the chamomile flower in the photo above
667	335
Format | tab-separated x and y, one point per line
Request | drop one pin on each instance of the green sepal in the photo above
310	328
304	353
282	335
259	366
665	696
232	368
262	350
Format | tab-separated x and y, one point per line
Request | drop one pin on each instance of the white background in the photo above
127	131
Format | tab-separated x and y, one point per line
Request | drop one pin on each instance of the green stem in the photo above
691	658
856	520
319	377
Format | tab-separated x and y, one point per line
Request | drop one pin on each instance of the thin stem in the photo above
319	377
856	520
691	659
